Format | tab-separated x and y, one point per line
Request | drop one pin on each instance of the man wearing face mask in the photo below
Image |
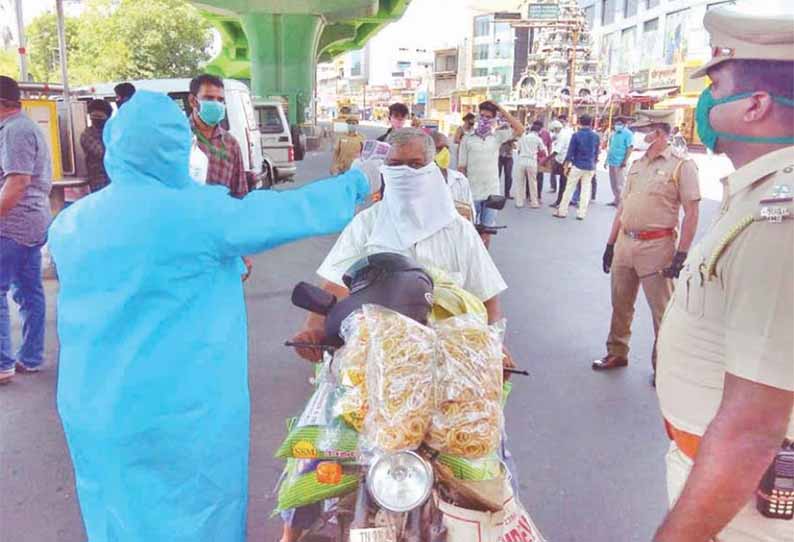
99	112
416	217
398	116
726	371
641	250
620	149
347	148
479	158
458	183
208	104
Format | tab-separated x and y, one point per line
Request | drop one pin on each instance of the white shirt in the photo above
480	157
460	188
457	249
561	143
528	146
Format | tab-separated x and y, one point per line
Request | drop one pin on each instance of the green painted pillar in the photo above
283	51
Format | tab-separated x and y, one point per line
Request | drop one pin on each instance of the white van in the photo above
240	118
278	149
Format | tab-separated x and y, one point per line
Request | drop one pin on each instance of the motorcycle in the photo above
393	501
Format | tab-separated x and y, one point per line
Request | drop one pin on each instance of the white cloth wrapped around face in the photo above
418	203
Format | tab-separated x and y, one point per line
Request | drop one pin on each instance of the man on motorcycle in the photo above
416	217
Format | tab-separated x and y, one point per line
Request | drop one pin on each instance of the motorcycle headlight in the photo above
400	482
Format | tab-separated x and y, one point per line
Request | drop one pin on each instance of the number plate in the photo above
381	534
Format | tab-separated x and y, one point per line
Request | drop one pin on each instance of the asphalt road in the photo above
590	447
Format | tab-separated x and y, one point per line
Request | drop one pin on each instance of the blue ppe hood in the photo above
153	370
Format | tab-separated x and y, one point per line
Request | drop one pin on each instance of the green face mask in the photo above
709	136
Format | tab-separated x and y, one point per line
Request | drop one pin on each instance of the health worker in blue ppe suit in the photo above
153	376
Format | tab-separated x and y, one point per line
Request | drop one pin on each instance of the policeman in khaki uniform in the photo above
642	244
726	353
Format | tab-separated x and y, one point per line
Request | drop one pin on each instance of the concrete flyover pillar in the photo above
283	52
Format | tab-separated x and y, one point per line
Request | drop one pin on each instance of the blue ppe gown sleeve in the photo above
153	369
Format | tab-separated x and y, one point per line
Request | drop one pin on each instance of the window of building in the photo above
479	72
649	4
589	15
628	50
355	64
607	12
482	26
503	30
503	50
630	8
480	52
675	36
649	44
403	65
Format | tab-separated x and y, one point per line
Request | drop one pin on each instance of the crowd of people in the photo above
161	452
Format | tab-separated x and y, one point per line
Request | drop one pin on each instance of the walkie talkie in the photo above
775	494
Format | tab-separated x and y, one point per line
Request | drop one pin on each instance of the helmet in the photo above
387	279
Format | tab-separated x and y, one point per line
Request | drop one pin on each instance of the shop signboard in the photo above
663	77
543	12
691	87
639	81
620	84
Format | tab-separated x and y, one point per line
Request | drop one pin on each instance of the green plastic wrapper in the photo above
301	487
317	434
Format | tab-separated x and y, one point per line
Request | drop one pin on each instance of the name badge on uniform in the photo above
775	214
781	193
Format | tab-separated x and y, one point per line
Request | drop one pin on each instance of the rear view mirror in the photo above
496	202
313	299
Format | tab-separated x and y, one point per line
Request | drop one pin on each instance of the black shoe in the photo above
554	205
510	197
613	203
573	204
653	379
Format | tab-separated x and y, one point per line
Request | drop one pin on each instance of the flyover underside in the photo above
277	44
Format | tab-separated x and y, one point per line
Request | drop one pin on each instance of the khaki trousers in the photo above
747	526
526	173
575	177
635	259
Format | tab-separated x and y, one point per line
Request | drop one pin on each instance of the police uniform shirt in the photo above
732	307
652	200
654	190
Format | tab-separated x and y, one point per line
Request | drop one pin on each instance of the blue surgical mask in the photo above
618	127
709	136
211	112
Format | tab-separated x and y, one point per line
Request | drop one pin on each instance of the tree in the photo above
124	39
42	46
9	63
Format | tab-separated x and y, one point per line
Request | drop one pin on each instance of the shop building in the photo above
648	48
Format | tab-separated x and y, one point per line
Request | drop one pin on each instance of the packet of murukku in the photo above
468	418
350	367
317	433
399	380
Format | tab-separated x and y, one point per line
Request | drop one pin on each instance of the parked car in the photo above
278	146
240	119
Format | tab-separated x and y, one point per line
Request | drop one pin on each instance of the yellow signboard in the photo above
45	114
